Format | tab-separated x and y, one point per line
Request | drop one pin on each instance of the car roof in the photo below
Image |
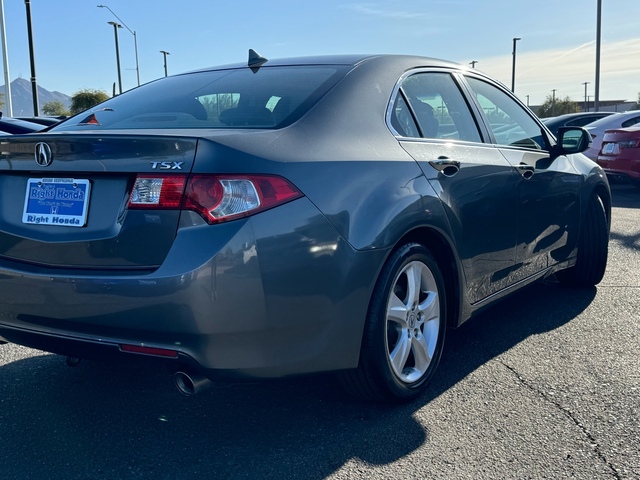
342	59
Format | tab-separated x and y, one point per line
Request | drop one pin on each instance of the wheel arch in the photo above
448	263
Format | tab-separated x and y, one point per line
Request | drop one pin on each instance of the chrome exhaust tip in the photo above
190	384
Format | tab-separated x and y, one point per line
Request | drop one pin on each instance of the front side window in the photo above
511	125
430	105
272	97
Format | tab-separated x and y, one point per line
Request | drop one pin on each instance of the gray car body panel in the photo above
285	291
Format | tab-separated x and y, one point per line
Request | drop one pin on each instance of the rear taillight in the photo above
217	198
223	198
157	191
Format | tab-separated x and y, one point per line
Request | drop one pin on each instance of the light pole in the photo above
473	63
585	95
553	102
5	57
34	84
164	54
513	68
135	39
116	26
596	98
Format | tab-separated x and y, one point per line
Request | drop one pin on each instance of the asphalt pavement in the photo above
544	385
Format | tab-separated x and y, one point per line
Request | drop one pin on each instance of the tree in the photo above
55	108
559	106
1	101
85	99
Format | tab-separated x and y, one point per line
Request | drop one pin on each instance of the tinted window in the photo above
272	97
510	123
436	106
630	122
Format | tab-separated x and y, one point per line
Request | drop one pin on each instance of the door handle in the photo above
445	165
526	171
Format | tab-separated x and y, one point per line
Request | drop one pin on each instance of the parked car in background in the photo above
46	120
14	126
620	154
597	129
286	217
573	120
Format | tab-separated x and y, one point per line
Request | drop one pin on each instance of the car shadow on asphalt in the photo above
113	421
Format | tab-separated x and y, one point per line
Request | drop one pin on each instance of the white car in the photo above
597	129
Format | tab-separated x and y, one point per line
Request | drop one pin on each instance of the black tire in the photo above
593	248
404	332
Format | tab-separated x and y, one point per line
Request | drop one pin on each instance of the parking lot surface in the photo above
544	385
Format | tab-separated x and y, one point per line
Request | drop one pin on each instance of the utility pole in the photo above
116	26
473	63
513	68
164	54
596	101
34	84
553	102
586	103
5	56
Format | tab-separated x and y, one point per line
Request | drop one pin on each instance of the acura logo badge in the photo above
44	157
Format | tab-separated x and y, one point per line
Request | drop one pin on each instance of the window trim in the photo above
464	93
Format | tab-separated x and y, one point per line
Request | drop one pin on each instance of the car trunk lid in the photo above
64	199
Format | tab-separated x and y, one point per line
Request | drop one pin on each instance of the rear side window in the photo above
631	122
430	105
271	97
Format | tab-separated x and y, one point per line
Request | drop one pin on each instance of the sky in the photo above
74	46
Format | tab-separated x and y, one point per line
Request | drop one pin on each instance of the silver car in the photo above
286	217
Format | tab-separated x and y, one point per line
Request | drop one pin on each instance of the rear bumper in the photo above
278	294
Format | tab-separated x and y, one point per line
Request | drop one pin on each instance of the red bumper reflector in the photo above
158	352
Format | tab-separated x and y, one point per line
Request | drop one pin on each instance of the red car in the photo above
619	155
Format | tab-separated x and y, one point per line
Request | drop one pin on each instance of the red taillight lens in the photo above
217	198
157	191
221	198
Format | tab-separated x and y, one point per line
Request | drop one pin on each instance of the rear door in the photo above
475	182
64	199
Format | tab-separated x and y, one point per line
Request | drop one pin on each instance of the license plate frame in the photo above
62	202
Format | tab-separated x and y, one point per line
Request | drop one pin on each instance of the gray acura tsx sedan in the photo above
285	217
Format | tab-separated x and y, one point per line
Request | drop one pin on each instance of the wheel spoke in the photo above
414	280
430	307
421	353
397	311
400	353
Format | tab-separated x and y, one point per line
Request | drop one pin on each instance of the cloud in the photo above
369	10
538	73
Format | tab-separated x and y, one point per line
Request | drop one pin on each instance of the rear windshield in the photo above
271	97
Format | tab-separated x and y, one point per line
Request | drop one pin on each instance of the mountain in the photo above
22	101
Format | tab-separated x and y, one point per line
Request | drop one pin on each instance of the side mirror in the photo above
572	140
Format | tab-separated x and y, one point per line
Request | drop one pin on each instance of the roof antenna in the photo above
255	60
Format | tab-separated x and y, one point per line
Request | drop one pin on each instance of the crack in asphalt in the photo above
569	414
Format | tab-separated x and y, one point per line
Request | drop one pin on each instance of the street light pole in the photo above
164	54
553	102
473	63
135	38
34	84
116	26
513	68
5	57
585	95
596	99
